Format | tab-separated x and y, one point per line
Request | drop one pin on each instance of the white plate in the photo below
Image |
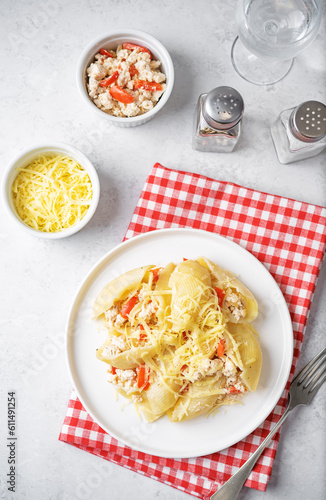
202	435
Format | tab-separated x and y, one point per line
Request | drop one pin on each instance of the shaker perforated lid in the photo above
308	121
223	108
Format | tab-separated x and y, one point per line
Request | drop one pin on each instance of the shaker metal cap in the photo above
223	108
309	121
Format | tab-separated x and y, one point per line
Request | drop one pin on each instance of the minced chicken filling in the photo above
125	82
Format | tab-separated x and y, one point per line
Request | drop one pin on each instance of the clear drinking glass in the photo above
270	34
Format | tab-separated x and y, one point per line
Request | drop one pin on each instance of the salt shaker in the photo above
217	122
300	132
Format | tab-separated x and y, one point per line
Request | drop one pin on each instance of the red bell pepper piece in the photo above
111	79
128	306
184	336
142	378
121	95
133	46
143	84
233	390
156	273
113	369
104	52
220	348
142	336
133	70
220	295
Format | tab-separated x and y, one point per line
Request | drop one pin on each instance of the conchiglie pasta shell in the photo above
128	359
147	412
190	283
226	279
189	269
158	399
197	400
164	278
250	352
118	289
163	301
143	406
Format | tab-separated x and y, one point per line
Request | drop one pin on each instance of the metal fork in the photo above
302	389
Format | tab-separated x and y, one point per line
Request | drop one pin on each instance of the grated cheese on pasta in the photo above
176	331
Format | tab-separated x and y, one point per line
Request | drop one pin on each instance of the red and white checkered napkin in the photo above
289	238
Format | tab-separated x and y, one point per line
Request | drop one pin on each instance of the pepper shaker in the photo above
300	132
217	122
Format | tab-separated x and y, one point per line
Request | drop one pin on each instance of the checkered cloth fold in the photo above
289	238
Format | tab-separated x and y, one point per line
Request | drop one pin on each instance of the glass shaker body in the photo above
289	144
208	139
217	121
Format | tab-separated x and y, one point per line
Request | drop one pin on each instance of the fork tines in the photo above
314	374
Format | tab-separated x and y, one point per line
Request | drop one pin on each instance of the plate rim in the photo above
80	292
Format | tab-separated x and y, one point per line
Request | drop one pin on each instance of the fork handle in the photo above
231	489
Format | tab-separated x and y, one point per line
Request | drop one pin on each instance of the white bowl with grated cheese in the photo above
60	202
111	42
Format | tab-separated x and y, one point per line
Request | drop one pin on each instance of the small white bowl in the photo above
111	41
24	159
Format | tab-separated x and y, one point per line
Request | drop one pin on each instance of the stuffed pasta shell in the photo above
237	302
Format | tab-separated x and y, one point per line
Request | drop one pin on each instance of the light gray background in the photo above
40	45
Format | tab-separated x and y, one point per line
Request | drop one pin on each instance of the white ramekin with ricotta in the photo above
134	72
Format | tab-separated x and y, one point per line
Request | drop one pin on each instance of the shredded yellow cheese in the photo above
52	193
195	359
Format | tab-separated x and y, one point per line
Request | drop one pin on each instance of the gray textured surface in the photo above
40	45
